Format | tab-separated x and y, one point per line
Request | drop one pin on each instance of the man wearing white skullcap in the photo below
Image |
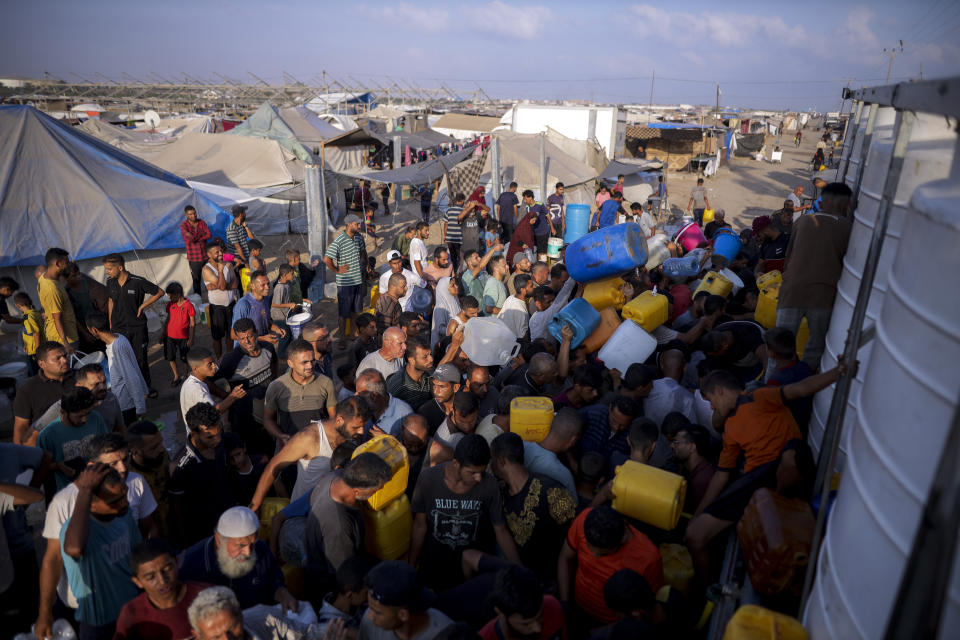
234	557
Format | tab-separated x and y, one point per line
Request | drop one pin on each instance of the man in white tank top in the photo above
312	447
221	283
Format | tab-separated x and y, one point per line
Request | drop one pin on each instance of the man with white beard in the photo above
234	557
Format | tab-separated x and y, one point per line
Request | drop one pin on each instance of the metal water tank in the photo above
908	400
927	158
882	128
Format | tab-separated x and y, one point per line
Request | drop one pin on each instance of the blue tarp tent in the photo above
60	187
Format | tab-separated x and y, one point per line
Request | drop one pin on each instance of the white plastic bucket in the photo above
553	247
629	344
17	370
296	322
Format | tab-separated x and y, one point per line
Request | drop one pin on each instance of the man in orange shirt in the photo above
600	543
759	425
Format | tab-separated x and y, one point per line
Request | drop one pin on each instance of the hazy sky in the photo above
764	54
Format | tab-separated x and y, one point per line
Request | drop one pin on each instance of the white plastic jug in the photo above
330	290
630	343
734	278
196	301
657	251
296	322
489	342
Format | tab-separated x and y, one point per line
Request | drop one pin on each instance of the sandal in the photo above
152	394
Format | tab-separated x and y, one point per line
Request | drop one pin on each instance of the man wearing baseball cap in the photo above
399	605
234	557
344	259
395	260
773	245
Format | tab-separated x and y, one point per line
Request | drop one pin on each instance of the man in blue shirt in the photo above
507	212
609	210
606	428
256	306
95	543
555	205
543	227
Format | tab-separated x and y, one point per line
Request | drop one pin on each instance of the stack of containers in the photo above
387	514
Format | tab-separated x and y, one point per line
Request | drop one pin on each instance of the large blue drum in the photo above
607	252
577	222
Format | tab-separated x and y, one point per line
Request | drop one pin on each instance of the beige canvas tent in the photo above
465	127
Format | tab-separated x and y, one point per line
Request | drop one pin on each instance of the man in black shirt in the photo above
446	382
127	300
737	347
36	395
252	364
538	509
199	486
773	245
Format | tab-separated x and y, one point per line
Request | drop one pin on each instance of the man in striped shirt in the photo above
343	258
452	233
239	234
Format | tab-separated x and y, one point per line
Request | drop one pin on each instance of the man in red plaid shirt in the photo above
195	235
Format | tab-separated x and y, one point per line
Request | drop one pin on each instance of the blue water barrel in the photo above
581	317
577	222
607	252
726	243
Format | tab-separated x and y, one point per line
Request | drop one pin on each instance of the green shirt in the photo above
494	295
474	284
402	244
66	443
343	251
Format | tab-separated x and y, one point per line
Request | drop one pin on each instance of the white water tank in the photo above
882	128
928	157
908	400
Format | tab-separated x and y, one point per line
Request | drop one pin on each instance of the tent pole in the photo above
543	167
316	213
495	167
397	163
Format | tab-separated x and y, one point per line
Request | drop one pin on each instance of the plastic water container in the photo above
96	357
649	494
392	452
330	290
581	317
245	279
17	370
715	284
629	343
677	566
649	310
296	322
753	622
708	216
388	529
686	267
657	251
766	312
531	417
769	277
269	508
690	236
577	220
733	278
726	244
374	295
607	252
553	247
803	334
421	300
609	322
489	341
196	301
605	293
204	312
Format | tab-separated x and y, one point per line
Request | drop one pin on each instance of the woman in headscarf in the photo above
446	308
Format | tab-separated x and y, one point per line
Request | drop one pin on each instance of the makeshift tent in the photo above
185	124
748	144
302	133
673	143
465	127
63	188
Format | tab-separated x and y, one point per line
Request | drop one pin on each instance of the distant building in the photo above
14	82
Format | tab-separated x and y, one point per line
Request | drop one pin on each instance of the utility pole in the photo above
717	114
893	51
650	109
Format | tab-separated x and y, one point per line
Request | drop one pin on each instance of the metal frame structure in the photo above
926	578
184	92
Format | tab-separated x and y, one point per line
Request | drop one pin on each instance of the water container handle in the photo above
76	358
507	356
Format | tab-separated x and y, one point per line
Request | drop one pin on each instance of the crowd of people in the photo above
509	538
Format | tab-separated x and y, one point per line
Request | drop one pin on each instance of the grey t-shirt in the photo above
376	361
334	531
699	195
438	622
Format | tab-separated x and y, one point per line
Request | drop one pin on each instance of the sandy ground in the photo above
744	189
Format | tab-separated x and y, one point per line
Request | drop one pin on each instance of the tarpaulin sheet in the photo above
419	173
748	143
60	187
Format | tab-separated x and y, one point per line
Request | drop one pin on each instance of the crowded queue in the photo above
265	510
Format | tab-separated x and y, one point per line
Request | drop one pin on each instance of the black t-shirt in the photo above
455	522
335	532
434	413
36	395
360	348
245	484
255	373
202	488
538	518
747	336
127	299
775	249
507	201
